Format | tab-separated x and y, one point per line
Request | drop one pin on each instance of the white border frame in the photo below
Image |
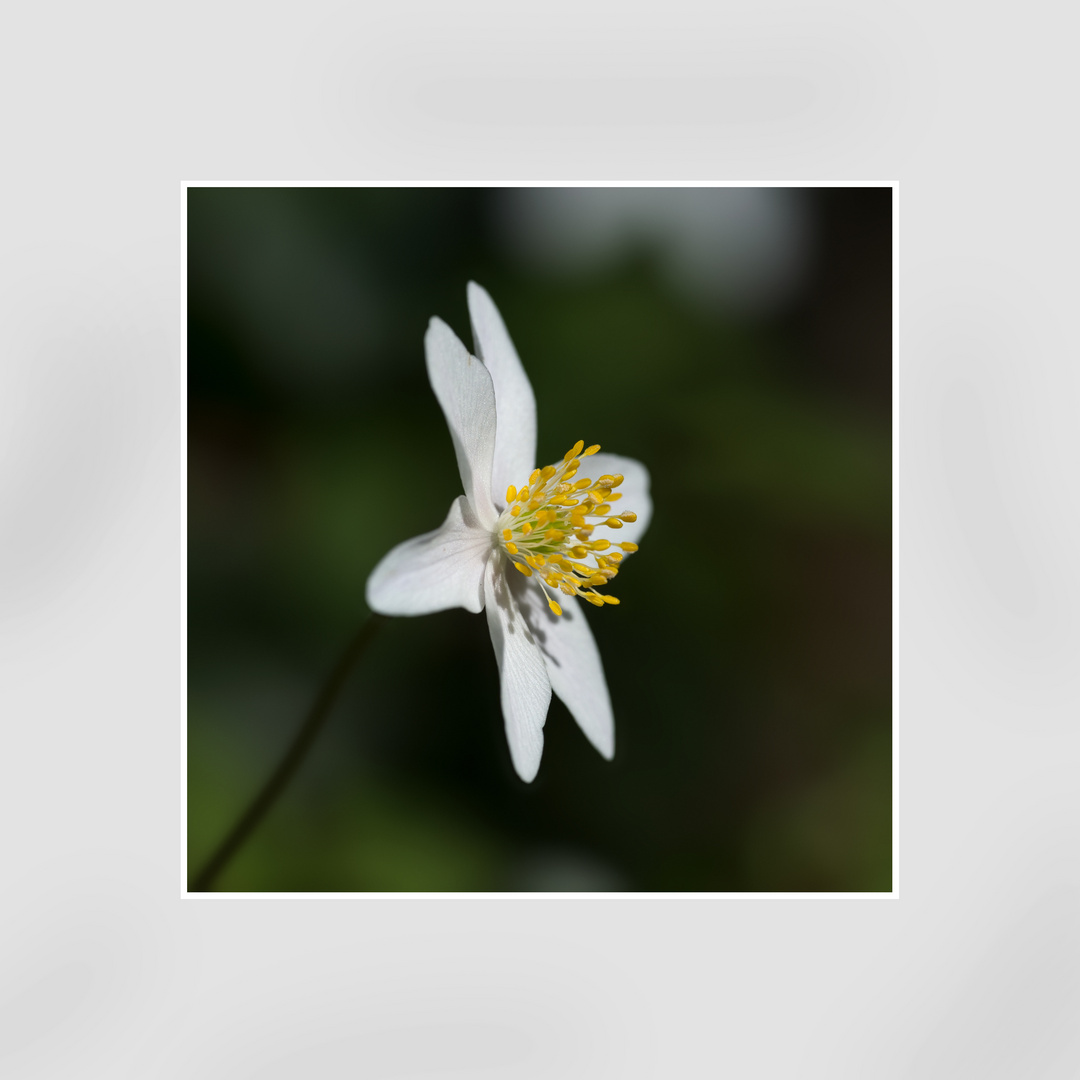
895	893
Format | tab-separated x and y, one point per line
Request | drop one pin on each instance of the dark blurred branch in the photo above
293	758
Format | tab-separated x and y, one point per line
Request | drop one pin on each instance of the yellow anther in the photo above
610	599
554	515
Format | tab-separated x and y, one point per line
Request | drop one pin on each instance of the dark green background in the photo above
750	659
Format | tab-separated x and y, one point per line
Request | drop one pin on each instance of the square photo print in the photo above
539	540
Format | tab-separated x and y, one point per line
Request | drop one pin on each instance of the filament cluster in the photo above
547	529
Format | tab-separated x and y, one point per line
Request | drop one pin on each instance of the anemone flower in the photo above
525	552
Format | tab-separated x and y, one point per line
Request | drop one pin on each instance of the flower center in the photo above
546	529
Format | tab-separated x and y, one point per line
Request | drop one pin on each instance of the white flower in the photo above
522	553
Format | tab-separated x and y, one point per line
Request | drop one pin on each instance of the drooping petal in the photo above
515	436
464	389
439	570
635	493
573	662
525	687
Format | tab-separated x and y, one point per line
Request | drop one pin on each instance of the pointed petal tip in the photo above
527	770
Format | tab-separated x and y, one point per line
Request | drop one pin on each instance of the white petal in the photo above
573	661
635	494
465	391
515	436
526	690
439	570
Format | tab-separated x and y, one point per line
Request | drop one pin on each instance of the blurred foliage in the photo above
750	659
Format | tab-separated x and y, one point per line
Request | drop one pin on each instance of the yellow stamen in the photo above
550	520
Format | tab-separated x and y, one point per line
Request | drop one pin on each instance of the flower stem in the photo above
293	758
